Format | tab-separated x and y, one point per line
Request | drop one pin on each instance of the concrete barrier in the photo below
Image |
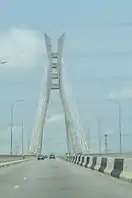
72	158
79	157
126	174
85	158
103	165
90	161
93	163
110	166
75	160
68	158
87	162
98	164
118	168
82	161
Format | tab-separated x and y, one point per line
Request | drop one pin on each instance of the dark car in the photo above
45	156
51	156
40	157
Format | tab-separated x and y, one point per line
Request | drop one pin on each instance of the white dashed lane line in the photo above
16	186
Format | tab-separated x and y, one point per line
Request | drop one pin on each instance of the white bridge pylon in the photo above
75	138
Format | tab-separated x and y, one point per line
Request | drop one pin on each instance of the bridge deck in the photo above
59	179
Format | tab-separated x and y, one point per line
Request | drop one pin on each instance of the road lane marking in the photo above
16	186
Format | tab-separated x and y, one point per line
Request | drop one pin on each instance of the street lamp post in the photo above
99	136
12	123
12	112
22	137
119	122
106	142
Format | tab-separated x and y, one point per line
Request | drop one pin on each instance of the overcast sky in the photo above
97	57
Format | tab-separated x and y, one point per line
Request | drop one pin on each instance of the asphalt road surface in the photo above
59	179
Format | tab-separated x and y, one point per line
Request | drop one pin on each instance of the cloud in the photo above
21	47
123	94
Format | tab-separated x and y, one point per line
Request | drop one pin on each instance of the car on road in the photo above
40	157
52	156
45	156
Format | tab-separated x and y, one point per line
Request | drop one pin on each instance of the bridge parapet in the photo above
118	167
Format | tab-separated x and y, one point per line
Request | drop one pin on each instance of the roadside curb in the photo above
12	163
126	179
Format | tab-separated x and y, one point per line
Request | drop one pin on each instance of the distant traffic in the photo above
42	157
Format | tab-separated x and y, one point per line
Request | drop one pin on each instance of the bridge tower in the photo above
74	137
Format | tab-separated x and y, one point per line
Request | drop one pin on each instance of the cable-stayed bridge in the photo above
75	174
75	136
